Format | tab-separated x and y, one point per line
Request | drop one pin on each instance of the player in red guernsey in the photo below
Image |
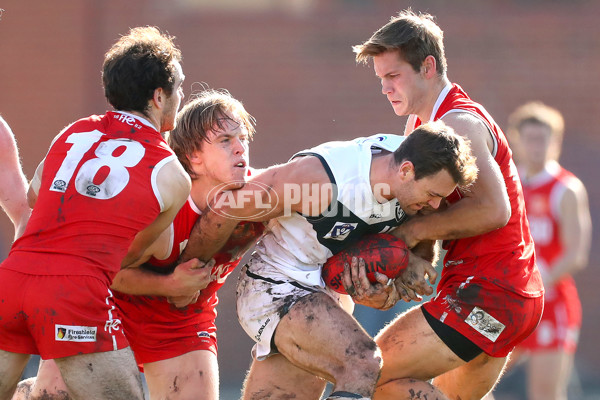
179	343
559	217
490	295
107	188
169	312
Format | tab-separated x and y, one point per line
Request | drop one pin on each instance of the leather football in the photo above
382	252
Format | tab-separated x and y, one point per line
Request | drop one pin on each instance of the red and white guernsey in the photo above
543	194
98	190
503	256
204	309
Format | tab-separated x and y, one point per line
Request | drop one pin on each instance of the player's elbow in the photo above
498	215
502	217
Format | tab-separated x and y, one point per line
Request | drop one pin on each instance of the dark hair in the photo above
137	65
433	147
206	111
414	36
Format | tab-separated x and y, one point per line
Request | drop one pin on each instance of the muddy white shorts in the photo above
264	296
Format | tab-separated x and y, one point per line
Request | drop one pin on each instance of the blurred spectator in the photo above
558	212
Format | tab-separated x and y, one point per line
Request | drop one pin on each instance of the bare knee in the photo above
24	389
361	367
32	389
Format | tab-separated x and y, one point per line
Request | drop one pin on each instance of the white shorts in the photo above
264	296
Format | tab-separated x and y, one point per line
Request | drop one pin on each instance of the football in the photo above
382	252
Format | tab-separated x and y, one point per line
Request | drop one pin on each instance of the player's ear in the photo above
195	158
158	99
406	171
428	67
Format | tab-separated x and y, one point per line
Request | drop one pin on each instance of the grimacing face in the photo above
225	158
404	88
425	193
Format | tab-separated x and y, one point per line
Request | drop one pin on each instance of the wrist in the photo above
411	230
169	286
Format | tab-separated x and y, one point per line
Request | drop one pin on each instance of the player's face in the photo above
225	158
405	89
537	144
426	193
173	102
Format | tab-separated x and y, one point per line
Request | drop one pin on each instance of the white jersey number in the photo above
128	154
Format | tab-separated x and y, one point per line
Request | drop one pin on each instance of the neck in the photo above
431	97
200	190
153	119
534	169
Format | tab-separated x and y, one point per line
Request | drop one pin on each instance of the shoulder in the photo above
172	184
172	174
574	187
461	120
302	169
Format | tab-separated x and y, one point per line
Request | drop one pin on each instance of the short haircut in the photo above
433	147
138	64
413	36
538	113
206	111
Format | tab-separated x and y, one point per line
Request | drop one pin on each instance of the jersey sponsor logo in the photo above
128	119
453	304
485	324
112	324
220	272
71	333
91	190
451	263
203	334
341	230
400	214
261	329
379	138
59	185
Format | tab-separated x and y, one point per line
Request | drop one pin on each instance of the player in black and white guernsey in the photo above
353	212
317	204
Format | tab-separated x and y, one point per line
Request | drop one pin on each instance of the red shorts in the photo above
57	316
491	317
158	331
559	327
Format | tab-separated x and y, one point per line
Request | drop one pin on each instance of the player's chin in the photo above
237	183
240	174
412	210
399	109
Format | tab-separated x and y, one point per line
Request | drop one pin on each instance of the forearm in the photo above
139	281
209	235
465	218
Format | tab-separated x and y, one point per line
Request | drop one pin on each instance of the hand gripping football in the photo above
382	252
